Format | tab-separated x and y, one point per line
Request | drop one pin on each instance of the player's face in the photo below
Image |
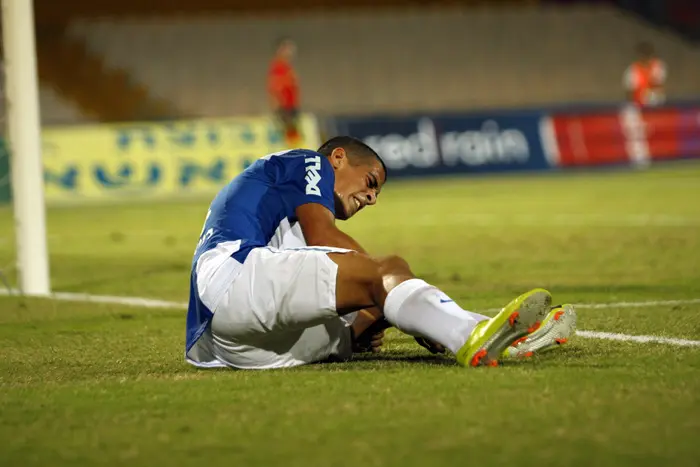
288	50
356	186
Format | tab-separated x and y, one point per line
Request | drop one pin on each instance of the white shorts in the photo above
280	311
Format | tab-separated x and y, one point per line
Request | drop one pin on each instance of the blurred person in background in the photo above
283	88
645	78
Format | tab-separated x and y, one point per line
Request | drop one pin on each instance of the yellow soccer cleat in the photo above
491	337
557	328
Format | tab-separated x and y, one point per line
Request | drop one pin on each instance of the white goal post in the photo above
22	107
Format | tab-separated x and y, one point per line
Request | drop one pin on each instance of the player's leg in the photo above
367	283
419	309
279	309
290	124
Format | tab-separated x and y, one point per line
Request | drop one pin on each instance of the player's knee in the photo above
357	268
394	265
393	271
376	277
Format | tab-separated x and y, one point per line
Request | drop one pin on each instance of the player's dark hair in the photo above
358	152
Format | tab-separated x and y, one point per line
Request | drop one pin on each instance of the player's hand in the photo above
368	332
433	347
373	343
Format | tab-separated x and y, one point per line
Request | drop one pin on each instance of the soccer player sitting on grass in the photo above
276	284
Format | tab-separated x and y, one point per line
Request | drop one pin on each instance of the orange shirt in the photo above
282	84
646	81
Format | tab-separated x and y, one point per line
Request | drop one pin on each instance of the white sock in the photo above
419	309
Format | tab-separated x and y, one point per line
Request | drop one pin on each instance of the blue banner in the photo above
441	144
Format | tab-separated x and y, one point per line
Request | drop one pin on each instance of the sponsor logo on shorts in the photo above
313	166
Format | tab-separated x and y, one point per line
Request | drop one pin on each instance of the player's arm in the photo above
318	225
659	76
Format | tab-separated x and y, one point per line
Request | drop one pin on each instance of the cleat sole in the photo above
556	330
513	318
476	360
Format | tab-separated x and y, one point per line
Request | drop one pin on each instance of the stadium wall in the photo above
195	157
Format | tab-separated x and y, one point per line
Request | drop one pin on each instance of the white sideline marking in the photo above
163	304
106	299
613	336
645	304
595	306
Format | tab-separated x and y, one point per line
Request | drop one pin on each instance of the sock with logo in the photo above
419	309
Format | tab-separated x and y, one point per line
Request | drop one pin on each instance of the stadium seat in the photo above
57	110
390	61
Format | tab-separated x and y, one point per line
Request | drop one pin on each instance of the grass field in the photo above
86	384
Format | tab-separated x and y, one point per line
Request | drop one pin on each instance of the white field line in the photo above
163	304
594	306
613	336
105	299
644	304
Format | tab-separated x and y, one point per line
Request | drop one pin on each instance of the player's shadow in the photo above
427	359
569	356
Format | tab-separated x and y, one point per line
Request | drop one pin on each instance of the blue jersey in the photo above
252	211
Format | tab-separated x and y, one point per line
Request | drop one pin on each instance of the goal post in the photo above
24	131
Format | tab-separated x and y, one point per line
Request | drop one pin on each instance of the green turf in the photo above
84	384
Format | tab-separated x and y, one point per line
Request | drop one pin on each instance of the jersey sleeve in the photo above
309	178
